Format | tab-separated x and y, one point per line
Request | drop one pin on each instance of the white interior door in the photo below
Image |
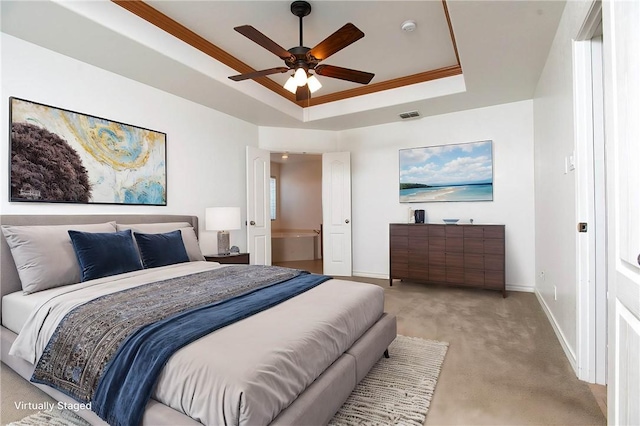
336	213
258	213
621	22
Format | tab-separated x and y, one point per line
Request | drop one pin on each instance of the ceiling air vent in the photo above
410	114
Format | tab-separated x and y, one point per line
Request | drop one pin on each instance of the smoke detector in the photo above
408	26
409	114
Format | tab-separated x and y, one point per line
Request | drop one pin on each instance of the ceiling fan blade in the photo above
344	74
256	36
346	35
257	74
302	94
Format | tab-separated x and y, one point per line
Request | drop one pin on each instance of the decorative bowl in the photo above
450	221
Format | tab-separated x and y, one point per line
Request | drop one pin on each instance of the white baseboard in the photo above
571	356
522	288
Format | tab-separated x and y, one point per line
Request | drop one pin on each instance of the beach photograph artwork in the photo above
59	155
456	172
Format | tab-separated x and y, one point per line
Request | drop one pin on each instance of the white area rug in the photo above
54	417
397	390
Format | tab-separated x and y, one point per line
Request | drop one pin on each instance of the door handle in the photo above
252	223
346	221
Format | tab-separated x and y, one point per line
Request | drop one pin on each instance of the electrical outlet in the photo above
542	276
555	293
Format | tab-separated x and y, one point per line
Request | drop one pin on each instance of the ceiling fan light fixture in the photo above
300	59
300	77
291	85
313	83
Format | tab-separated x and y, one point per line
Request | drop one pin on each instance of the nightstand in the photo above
242	258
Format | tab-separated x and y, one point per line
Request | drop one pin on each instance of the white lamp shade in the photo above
291	85
313	83
300	77
222	218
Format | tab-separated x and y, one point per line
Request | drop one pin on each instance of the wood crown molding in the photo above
385	85
165	23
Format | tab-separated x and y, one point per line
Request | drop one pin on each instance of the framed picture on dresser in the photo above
455	172
63	156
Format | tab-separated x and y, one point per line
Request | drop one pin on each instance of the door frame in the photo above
591	303
324	206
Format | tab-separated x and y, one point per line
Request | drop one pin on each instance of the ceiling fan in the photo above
302	59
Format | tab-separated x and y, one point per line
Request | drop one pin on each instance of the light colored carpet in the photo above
397	390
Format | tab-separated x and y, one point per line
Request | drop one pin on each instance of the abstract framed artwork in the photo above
64	156
456	172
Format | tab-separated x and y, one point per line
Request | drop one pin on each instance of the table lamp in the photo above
223	220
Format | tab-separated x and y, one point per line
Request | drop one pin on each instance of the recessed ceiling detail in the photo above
187	49
215	44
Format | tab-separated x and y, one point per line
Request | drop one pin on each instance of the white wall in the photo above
374	170
205	148
375	177
555	195
299	141
206	152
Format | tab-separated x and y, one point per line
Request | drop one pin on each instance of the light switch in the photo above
572	161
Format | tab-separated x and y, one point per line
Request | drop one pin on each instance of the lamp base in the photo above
223	242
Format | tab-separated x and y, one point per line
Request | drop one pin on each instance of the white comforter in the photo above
245	373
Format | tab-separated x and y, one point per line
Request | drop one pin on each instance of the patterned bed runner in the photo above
81	350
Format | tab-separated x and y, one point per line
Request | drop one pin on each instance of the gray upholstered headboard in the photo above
9	280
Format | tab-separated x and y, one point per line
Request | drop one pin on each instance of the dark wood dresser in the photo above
457	255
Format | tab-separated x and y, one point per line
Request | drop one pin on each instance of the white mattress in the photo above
16	308
245	373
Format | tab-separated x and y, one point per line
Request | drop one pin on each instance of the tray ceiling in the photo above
501	45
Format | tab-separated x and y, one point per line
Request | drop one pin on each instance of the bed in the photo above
295	362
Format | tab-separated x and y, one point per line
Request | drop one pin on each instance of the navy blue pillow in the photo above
105	254
161	249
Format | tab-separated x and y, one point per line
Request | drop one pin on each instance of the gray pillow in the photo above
189	237
44	255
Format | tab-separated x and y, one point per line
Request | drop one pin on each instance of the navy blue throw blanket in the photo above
126	386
